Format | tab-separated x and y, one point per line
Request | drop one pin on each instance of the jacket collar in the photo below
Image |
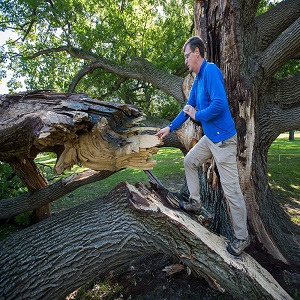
199	74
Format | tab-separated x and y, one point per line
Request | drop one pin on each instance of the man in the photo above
208	104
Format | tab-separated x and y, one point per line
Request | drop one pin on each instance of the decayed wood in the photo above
27	171
75	245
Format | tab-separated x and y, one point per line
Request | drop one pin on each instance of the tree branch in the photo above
273	22
139	69
273	120
87	69
271	59
287	91
14	206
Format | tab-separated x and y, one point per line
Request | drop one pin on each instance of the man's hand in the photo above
163	132
190	111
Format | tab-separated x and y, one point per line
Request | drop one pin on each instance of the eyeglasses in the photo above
186	56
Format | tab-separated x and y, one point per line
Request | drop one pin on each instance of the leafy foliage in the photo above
10	184
114	30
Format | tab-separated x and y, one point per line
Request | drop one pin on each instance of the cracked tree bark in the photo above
94	238
58	255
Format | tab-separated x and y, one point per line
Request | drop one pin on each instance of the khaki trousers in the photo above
225	156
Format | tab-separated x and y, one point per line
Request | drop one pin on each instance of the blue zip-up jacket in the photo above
208	96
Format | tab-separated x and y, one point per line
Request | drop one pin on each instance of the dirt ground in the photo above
146	279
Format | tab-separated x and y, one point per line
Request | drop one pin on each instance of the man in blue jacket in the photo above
208	104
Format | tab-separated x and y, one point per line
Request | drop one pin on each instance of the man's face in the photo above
190	58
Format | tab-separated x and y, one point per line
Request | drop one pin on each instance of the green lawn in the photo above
284	174
169	170
283	171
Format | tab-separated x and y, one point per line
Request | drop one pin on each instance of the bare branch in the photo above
270	24
139	69
14	206
289	44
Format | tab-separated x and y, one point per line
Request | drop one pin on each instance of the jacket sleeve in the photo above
182	117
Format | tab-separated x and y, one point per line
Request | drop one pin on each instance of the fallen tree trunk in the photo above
92	239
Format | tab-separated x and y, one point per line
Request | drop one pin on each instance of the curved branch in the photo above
87	69
273	120
139	69
289	44
181	70
270	24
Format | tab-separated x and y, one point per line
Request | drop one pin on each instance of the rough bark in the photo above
262	106
250	49
99	236
139	69
80	130
25	168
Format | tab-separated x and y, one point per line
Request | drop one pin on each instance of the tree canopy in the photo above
66	37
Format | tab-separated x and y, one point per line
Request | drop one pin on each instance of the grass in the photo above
169	169
284	174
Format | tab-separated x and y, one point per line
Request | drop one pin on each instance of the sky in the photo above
3	37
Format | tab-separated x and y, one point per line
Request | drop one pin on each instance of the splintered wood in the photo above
80	130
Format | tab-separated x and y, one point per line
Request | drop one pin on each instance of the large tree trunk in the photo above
96	237
246	48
